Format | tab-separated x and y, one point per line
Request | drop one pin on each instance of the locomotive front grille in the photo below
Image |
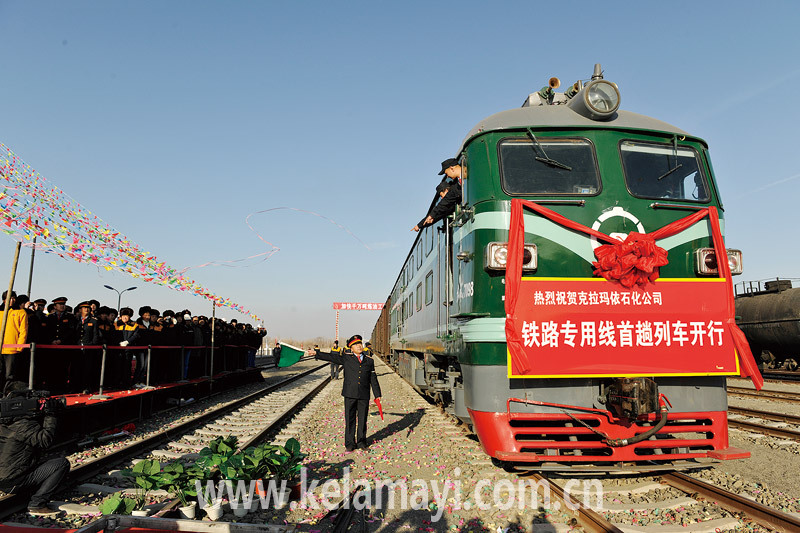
535	437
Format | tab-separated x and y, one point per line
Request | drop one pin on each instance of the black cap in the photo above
83	304
40	301
126	311
355	339
447	163
60	300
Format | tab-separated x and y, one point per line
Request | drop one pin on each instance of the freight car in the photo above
769	315
526	316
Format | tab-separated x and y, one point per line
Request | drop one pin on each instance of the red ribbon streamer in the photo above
516	241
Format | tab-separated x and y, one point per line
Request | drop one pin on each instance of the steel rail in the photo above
591	521
282	417
765	394
14	503
766	430
73	444
787	376
766	415
759	513
255	439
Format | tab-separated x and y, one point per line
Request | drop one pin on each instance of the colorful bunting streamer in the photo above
31	207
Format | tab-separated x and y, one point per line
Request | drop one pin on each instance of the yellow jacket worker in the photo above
16	333
16	327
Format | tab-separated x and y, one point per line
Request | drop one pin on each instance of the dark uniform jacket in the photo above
446	205
169	335
88	332
62	328
358	377
146	333
21	442
108	335
37	328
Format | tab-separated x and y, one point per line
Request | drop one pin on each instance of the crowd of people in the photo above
68	345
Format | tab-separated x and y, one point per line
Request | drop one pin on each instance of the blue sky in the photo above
175	120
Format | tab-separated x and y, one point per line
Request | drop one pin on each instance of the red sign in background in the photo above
357	306
592	328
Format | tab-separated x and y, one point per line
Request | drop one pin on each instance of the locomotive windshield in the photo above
663	171
526	168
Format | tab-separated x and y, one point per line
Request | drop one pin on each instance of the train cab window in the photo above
419	296
549	166
405	310
419	254
429	288
411	304
410	268
663	171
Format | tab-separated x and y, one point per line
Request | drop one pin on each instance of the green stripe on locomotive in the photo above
561	252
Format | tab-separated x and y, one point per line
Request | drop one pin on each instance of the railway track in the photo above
774	431
782	375
765	394
250	418
671	495
96	437
723	510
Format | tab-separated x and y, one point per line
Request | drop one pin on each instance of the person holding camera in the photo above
23	438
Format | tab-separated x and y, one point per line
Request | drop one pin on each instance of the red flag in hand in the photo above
380	407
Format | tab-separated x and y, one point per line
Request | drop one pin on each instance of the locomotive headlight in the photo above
602	97
497	256
706	263
598	100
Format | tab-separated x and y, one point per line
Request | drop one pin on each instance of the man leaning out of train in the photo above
448	192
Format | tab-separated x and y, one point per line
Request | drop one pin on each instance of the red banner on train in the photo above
591	328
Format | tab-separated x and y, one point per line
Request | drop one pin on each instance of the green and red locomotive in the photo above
576	292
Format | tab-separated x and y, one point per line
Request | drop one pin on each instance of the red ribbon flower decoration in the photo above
632	262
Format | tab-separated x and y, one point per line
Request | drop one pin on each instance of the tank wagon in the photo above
506	315
769	315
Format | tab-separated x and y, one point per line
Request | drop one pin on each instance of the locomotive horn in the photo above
546	93
573	89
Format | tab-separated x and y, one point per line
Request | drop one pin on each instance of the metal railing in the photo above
71	368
